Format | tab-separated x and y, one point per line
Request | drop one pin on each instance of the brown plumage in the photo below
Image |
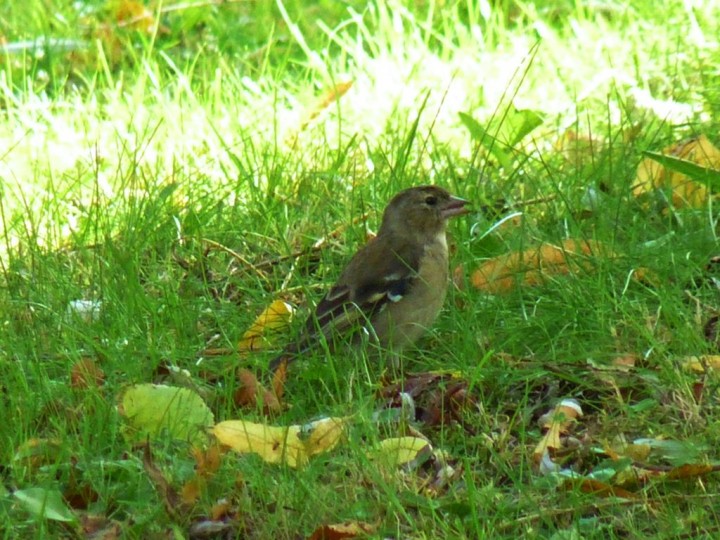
395	285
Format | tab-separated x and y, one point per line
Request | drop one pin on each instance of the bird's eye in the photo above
431	200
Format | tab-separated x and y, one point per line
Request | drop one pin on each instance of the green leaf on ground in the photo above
44	503
153	410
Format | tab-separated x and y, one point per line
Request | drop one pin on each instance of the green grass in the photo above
127	161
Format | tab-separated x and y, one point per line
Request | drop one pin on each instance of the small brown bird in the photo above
395	285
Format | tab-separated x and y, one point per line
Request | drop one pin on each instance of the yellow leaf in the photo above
275	316
691	470
534	265
292	445
399	450
339	531
134	15
651	175
703	363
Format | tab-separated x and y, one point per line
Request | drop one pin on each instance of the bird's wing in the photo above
375	276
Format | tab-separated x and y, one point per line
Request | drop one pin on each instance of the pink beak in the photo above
455	207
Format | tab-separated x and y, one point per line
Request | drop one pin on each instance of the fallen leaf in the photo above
578	149
705	363
207	461
207	528
438	398
86	374
620	449
250	394
222	509
78	492
274	317
557	422
134	15
37	452
279	379
338	531
675	452
44	503
191	490
398	451
652	175
292	445
590	485
156	410
691	471
96	527
533	266
625	362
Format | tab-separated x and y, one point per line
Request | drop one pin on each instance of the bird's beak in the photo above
455	207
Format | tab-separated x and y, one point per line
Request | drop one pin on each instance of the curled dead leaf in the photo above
250	394
556	422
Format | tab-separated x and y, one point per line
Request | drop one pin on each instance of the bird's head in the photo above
422	210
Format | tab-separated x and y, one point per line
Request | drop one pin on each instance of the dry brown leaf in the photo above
596	487
207	462
691	471
557	422
625	362
251	394
79	493
222	509
651	175
192	489
533	266
274	317
339	531
279	379
439	398
96	527
37	452
86	374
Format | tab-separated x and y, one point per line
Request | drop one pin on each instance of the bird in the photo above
394	286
